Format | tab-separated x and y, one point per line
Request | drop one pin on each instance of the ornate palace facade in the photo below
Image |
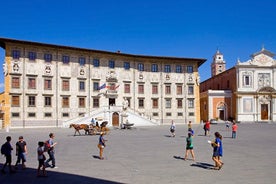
46	85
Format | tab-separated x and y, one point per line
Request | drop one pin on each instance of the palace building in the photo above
245	92
49	85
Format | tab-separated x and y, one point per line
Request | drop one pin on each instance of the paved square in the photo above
150	155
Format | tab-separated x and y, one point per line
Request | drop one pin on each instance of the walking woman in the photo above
101	145
189	146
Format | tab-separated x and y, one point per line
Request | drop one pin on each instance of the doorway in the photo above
115	119
264	111
112	102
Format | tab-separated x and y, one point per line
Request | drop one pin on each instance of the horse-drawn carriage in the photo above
91	129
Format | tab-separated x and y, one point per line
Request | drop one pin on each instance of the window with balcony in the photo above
96	102
179	103
167	89
190	103
168	103
190	90
141	103
179	89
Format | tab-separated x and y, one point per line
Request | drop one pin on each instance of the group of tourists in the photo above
21	152
216	143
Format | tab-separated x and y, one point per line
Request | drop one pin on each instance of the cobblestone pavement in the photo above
150	155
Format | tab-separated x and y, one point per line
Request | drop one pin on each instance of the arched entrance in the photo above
221	111
265	95
115	119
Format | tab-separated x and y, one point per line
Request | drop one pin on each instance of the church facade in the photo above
48	84
245	92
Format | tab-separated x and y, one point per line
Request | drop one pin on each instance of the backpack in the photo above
3	149
47	145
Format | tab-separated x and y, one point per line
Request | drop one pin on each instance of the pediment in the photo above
262	60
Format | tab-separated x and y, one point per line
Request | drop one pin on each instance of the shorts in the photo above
172	130
216	154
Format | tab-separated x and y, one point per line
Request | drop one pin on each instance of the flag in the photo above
102	87
117	86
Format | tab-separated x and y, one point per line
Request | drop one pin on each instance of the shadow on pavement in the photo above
203	165
28	176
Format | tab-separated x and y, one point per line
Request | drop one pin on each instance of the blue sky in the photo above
178	28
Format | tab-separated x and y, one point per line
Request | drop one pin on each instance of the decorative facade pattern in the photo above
46	84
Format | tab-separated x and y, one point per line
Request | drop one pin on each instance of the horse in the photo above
79	127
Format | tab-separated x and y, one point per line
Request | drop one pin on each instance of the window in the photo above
140	66
154	89
96	62
111	64
47	101
15	101
154	68
126	65
96	102
47	84
179	114
191	114
47	114
168	103
48	57
190	90
167	69
65	59
168	114
155	103
141	103
15	115
15	82
81	102
95	86
31	83
31	114
65	85
167	90
65	102
190	69
179	89
32	56
15	54
141	89
190	103
82	61
246	80
178	69
155	114
179	103
82	86
65	114
31	101
127	88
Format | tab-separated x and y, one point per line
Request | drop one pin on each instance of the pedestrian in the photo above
217	151
207	128
21	151
234	130
41	159
6	149
189	147
51	151
101	144
190	125
227	124
172	128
